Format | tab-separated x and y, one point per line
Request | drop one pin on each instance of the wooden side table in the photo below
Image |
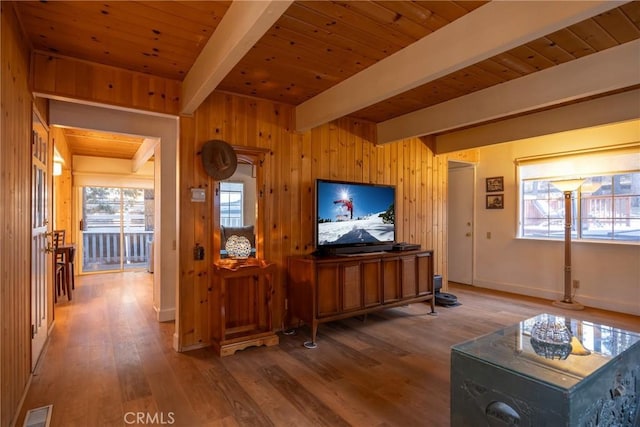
241	305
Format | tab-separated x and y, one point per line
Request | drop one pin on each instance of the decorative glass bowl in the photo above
551	339
238	246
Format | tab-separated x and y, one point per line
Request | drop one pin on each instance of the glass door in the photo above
117	228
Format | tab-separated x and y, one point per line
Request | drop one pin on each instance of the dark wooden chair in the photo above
59	281
59	238
64	274
71	266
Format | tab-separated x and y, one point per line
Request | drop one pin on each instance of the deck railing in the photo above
102	250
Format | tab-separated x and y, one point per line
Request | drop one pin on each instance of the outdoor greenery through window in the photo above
231	201
606	207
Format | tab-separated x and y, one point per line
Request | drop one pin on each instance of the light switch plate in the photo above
198	195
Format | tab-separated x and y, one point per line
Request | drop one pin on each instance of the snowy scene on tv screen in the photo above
354	214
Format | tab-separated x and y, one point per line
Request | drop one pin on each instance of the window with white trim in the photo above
606	207
231	203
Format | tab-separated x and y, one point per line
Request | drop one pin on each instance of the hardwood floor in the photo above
109	363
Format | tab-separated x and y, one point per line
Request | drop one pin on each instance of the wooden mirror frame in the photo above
254	156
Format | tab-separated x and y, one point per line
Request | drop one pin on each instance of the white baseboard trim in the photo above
176	342
608	304
518	289
165	315
586	300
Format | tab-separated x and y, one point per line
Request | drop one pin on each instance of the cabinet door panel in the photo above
371	283
391	279
408	282
351	287
425	274
328	293
241	304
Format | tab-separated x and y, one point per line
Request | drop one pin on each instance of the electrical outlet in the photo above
576	284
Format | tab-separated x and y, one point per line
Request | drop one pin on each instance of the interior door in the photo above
41	260
460	220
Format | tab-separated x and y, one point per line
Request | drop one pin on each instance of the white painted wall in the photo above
609	273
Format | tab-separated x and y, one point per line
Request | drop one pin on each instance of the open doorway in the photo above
163	130
104	199
461	222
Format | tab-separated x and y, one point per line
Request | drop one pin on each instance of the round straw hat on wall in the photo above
219	159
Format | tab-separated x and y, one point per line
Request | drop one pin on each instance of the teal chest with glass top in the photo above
547	371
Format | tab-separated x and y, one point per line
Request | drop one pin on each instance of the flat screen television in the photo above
354	217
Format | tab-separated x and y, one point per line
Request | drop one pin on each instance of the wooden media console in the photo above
323	289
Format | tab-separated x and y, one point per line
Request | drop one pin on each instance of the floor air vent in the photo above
38	417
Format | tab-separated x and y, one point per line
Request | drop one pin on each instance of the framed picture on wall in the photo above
495	201
495	183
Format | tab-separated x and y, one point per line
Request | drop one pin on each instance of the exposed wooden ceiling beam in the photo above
144	153
481	34
607	71
241	27
612	110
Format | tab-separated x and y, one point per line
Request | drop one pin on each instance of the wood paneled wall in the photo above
72	78
15	205
468	156
62	186
341	150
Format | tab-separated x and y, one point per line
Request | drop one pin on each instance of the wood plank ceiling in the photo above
316	45
83	142
312	47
